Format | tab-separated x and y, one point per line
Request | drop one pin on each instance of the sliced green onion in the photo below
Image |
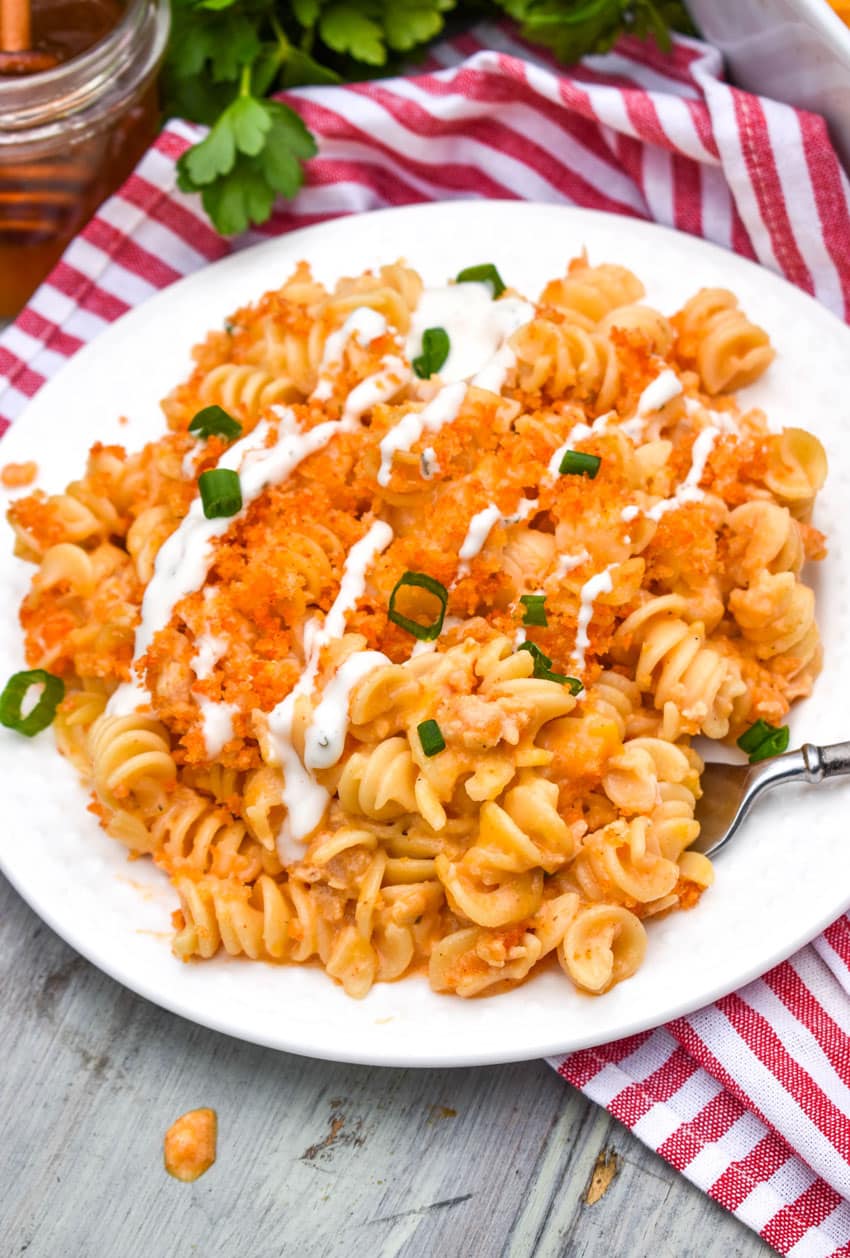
435	351
543	669
431	737
486	273
542	663
755	735
772	746
577	464
221	492
212	421
420	580
535	609
14	693
761	741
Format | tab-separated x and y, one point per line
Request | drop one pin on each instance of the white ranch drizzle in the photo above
304	798
718	419
526	508
722	424
184	559
442	409
659	392
216	718
689	490
579	432
364	323
208	651
566	563
480	527
477	328
429	465
600	583
216	723
383	386
325	739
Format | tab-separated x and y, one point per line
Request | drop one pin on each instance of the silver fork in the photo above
730	790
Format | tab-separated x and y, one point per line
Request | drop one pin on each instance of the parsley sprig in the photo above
226	57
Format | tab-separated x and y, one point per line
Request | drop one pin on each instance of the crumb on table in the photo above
189	1144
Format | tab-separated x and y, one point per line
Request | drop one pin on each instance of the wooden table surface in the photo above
315	1160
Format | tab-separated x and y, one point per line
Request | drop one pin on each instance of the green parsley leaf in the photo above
412	23
282	168
300	69
573	28
250	123
214	156
306	11
288	124
243	197
215	45
347	29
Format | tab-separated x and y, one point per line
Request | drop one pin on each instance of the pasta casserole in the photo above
390	651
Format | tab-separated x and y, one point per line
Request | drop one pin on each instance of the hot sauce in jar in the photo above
78	109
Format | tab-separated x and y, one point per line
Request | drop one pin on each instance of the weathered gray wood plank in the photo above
314	1159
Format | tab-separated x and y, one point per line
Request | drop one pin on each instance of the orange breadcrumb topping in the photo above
18	475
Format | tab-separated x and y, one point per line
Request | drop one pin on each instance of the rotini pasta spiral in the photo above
796	470
603	945
693	685
561	359
131	758
720	342
193	834
588	293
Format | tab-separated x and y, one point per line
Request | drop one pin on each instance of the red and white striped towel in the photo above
750	1097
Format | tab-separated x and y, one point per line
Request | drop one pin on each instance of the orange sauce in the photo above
44	202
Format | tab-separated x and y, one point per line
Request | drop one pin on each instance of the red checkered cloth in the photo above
749	1097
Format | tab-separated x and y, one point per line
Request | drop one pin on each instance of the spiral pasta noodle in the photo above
420	698
727	349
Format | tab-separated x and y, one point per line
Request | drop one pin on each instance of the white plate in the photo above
782	881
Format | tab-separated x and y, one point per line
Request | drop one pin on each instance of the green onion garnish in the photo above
535	609
431	737
435	351
543	669
578	464
420	580
486	273
761	741
542	663
754	736
221	493
212	421
14	693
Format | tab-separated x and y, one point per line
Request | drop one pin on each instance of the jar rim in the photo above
38	106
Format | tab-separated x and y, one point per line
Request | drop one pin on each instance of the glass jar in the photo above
69	136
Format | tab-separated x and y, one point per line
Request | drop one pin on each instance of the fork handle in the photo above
825	762
808	763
